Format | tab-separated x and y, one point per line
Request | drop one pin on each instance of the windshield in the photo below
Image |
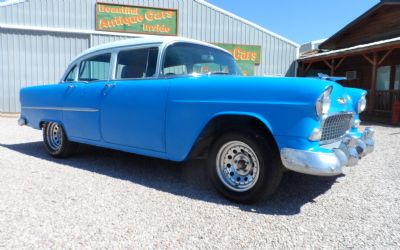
187	58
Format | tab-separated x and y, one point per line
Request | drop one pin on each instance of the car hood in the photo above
271	89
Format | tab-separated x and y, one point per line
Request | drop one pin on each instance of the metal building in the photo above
38	38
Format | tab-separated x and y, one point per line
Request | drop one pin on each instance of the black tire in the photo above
269	173
56	141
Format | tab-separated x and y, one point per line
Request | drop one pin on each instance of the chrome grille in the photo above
335	126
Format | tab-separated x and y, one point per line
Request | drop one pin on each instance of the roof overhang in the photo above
368	13
359	49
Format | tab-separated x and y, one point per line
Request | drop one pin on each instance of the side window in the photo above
71	75
137	63
95	68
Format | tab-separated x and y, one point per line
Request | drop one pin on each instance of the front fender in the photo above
285	106
179	149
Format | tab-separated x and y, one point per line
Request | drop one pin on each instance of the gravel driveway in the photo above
107	199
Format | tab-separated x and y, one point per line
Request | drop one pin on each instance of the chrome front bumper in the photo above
350	150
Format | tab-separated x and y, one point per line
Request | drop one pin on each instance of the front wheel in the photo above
243	168
56	142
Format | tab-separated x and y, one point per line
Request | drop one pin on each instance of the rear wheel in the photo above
243	168
56	142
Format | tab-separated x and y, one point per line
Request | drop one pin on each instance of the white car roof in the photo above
143	41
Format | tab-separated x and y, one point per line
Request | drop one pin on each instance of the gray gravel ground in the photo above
107	199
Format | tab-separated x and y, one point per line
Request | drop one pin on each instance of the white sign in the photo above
9	2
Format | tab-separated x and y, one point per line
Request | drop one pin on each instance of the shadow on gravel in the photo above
187	179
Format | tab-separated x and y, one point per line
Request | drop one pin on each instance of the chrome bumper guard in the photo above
351	149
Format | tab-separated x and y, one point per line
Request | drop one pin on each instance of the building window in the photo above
95	68
383	78
397	78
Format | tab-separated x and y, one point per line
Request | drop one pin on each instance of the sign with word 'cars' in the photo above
135	19
246	56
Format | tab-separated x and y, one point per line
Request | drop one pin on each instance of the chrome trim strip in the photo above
63	109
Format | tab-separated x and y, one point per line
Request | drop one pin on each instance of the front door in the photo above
133	106
133	114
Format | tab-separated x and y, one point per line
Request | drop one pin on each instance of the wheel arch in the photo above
222	122
42	122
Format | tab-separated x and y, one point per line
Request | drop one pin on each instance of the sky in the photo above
298	20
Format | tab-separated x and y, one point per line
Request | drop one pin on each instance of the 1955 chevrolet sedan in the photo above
175	98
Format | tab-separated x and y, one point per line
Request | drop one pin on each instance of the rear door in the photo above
133	106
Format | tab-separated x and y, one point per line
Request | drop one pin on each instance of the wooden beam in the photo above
385	56
308	68
368	59
340	63
331	66
328	64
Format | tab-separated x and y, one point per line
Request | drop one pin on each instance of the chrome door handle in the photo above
108	87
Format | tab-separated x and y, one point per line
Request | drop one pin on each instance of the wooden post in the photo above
373	81
307	68
333	67
375	63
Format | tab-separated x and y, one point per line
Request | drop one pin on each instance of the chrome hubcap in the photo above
54	136
237	166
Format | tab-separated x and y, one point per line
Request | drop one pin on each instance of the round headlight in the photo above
362	104
323	103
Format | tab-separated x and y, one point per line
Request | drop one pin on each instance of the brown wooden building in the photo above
367	52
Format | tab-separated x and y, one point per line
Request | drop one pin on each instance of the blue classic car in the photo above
176	98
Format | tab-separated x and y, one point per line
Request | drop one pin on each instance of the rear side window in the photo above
95	68
71	75
137	63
